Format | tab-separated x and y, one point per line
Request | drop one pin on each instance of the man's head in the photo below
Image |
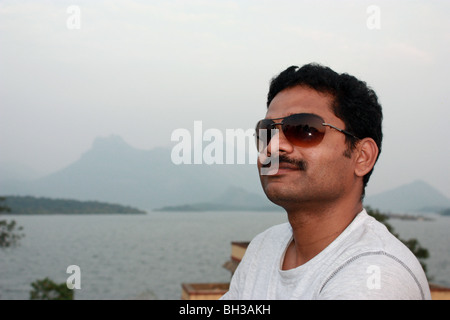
344	157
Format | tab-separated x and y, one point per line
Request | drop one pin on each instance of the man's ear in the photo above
366	156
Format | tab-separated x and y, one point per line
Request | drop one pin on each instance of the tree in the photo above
412	244
4	208
46	289
9	231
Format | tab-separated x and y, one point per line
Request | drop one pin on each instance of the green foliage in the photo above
9	235
46	289
9	231
412	244
34	205
4	208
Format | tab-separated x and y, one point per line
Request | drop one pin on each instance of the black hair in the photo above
354	103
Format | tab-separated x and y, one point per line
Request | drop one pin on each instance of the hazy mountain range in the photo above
412	197
113	171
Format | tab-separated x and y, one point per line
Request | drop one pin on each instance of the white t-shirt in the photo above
364	262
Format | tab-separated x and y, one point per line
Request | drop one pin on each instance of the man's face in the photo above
316	174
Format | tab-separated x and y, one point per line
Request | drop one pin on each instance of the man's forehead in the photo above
300	99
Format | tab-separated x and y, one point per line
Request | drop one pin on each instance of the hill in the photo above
113	171
33	205
414	197
417	196
233	199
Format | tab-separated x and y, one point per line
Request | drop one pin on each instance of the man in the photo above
328	140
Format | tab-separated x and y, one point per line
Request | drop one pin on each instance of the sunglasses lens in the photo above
303	130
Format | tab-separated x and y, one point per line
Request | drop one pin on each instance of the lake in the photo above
149	256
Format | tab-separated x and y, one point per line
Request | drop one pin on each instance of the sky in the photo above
72	71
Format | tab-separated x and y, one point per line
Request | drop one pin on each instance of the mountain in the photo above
113	171
417	196
240	197
16	171
233	199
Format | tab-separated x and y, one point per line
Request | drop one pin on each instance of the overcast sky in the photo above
141	69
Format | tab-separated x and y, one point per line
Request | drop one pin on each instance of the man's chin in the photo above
279	195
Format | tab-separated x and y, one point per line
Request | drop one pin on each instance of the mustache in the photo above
301	164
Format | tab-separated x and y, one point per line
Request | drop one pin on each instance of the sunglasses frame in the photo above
323	123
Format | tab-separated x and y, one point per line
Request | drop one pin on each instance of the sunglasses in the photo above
301	129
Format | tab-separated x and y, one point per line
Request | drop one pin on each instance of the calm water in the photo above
149	256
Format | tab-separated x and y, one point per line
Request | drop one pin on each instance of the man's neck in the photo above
314	229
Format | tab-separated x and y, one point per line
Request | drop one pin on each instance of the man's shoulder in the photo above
276	229
371	238
271	239
371	235
276	232
370	250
